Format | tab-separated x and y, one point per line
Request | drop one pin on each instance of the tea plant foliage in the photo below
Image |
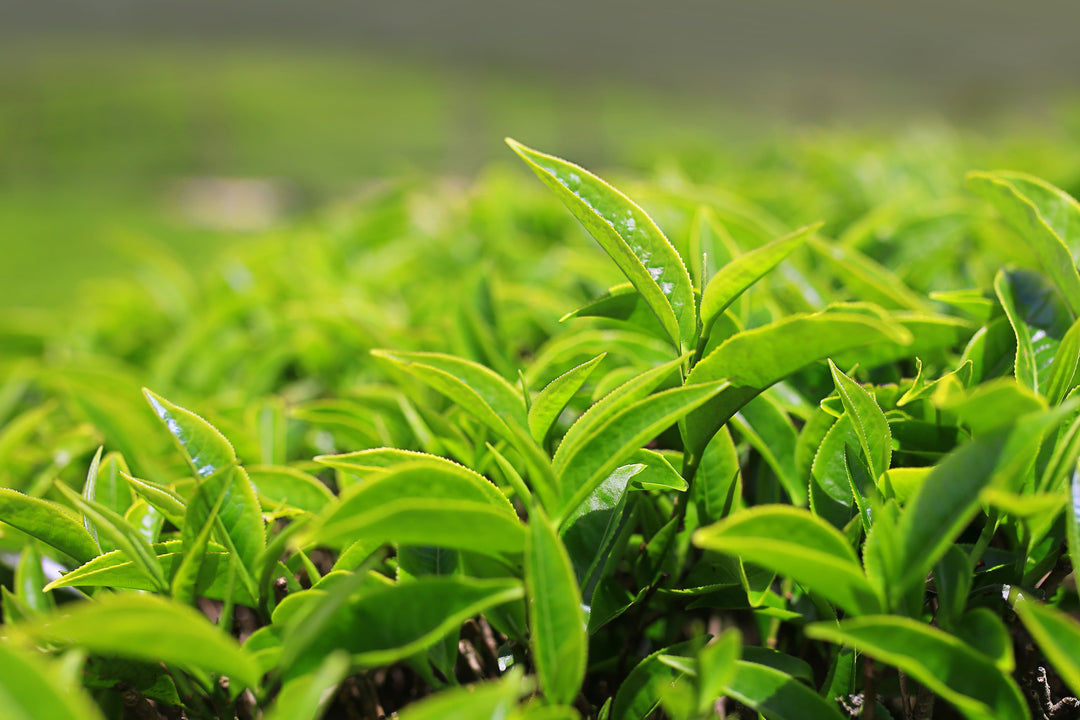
443	459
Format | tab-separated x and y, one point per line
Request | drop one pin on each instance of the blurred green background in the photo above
200	125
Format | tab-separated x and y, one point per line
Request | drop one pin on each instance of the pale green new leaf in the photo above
871	427
552	399
558	637
753	360
471	702
281	485
48	522
629	236
955	671
734	278
308	696
793	542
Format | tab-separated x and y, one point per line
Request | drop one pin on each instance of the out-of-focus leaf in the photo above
639	694
30	689
1063	369
1072	518
735	277
48	522
146	627
629	236
777	695
471	702
1056	634
558	636
424	503
1046	218
767	428
278	484
552	399
308	696
942	663
795	543
755	359
30	580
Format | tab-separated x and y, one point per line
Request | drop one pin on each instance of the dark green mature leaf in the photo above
953	670
777	695
48	522
733	279
31	689
146	627
629	236
558	637
610	444
1056	634
1046	218
552	399
795	543
424	503
871	427
755	359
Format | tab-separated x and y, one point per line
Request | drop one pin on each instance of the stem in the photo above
985	537
869	707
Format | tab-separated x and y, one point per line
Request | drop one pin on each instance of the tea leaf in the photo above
755	359
639	694
942	663
558	637
1046	218
552	399
146	627
776	695
308	696
205	449
629	236
733	279
471	702
31	689
1056	634
48	522
871	427
795	543
277	485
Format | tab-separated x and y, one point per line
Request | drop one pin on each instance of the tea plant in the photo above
763	476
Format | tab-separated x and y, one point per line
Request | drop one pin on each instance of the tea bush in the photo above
807	453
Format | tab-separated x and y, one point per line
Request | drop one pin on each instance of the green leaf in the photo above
1038	320
381	623
610	444
629	236
769	430
866	278
202	516
485	395
424	503
1056	634
280	485
126	538
948	498
753	360
30	581
552	399
639	694
308	696
944	664
1072	518
31	689
205	449
776	695
106	485
792	542
871	427
471	702
146	627
558	637
48	522
717	665
161	498
734	278
1046	218
207	452
989	405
